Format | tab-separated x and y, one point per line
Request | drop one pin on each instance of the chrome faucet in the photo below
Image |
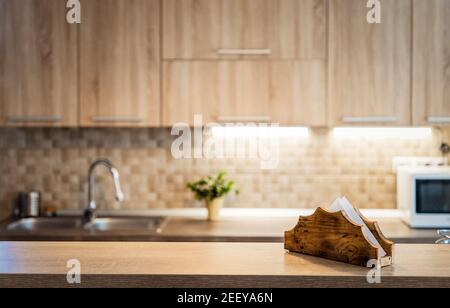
90	212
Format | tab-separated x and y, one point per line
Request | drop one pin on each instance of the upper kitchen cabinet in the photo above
222	91
119	63
431	64
38	64
370	64
245	61
227	29
285	92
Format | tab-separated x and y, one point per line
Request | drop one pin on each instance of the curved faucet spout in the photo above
90	212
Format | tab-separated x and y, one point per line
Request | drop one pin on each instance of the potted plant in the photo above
213	191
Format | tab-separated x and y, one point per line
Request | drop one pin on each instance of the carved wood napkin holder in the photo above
332	236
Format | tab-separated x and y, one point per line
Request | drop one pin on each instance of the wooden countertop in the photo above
26	264
272	229
229	229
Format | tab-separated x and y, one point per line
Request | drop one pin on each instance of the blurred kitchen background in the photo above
360	90
312	169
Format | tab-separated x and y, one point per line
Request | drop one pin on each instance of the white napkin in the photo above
342	204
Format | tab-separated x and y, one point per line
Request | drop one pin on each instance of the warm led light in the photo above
383	133
259	132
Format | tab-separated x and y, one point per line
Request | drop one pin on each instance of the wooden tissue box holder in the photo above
332	236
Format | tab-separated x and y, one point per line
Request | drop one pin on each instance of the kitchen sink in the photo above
37	224
90	222
155	224
128	224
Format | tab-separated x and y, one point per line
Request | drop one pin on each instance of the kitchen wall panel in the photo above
311	171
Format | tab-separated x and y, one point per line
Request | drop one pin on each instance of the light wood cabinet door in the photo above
219	91
38	64
245	61
229	29
189	89
431	64
285	92
370	64
119	63
298	92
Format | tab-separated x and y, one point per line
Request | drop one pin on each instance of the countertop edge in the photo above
217	281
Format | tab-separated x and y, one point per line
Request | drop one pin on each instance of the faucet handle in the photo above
116	177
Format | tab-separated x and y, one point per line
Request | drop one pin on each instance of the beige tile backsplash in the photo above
311	171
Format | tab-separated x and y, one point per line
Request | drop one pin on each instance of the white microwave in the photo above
423	196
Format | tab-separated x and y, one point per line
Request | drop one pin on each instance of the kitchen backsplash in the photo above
312	171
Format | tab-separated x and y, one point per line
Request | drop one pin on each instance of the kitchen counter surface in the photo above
27	264
237	225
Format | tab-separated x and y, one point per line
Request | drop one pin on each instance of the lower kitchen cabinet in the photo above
285	92
38	64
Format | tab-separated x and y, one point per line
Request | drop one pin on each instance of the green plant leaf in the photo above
211	188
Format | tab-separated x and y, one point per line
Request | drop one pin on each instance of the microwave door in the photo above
433	196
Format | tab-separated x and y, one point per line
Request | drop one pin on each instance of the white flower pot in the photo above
214	208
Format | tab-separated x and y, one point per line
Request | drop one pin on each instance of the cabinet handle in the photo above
112	119
36	119
439	120
243	119
376	119
244	52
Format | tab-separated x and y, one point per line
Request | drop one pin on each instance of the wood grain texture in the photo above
234	229
298	92
332	236
197	29
374	227
286	92
213	89
219	282
431	60
119	63
38	64
369	64
224	264
188	89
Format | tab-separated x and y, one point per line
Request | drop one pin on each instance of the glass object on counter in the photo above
446	237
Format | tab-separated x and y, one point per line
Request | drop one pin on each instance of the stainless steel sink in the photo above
155	224
36	224
128	223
